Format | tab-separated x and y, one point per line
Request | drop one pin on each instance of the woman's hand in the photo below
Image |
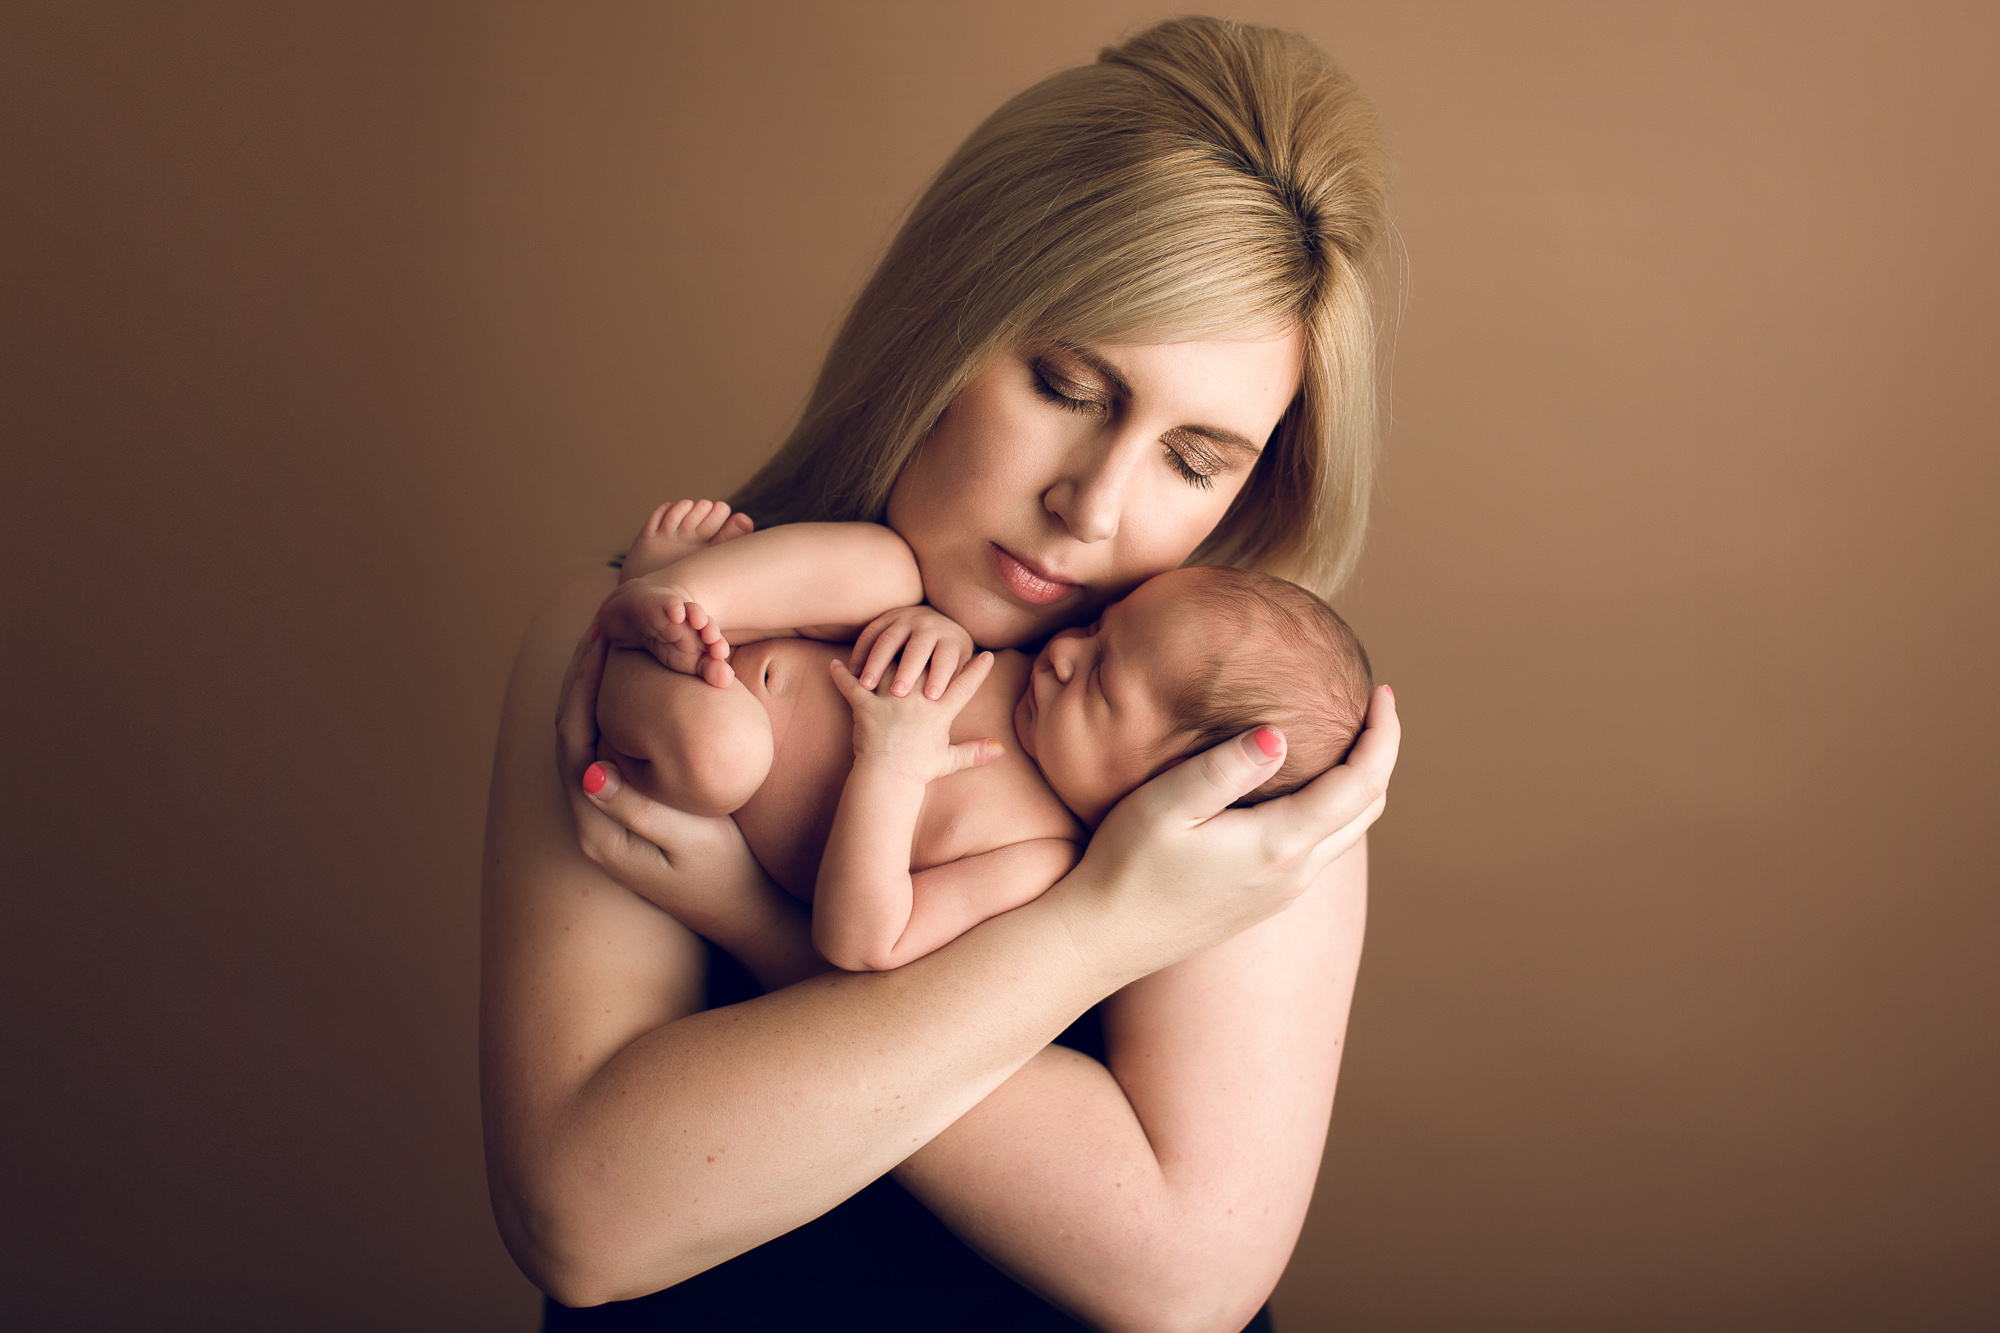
1221	870
697	869
921	635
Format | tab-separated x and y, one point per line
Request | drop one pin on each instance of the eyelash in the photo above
1087	406
1189	473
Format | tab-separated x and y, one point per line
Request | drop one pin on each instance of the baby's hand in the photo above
914	734
922	636
658	616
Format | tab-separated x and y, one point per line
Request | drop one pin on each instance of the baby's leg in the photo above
675	531
679	739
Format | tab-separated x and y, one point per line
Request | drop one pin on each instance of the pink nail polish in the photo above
593	633
1269	742
594	779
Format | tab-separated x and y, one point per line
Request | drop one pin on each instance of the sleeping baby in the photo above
909	805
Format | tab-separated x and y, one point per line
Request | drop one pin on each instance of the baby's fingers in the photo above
971	754
961	690
945	659
882	654
916	653
846	682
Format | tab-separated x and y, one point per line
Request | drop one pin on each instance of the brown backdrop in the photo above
339	332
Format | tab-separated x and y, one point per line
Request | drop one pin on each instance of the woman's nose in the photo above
1090	495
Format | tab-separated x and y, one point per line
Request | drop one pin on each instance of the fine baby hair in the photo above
1285	658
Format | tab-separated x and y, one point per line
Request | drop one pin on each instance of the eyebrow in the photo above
1109	372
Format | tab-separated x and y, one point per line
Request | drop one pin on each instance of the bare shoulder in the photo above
573	965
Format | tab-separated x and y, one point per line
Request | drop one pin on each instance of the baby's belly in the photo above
812	731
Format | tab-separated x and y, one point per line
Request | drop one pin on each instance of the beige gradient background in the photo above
338	333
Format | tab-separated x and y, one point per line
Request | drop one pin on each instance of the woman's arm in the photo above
1170	1195
634	1141
1167	1190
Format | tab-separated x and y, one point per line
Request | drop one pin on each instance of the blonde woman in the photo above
1126	329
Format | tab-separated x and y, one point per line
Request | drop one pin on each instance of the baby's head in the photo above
1191	658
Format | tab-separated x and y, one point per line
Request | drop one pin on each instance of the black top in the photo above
880	1260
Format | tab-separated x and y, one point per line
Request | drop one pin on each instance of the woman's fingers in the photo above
1200	788
1330	813
576	715
590	785
640	829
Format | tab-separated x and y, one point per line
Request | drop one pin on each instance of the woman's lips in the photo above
1031	586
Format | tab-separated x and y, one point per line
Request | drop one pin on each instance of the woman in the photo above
1125	329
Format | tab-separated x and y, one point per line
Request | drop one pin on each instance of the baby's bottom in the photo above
679	739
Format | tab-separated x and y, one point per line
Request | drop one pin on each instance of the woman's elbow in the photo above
1201	1288
1217	1307
574	1259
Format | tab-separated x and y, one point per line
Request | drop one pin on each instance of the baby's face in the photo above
1096	715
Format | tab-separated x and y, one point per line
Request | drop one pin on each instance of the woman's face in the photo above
1064	476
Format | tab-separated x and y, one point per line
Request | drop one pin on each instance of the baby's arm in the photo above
826	580
869	912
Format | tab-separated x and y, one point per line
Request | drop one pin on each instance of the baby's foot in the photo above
659	617
676	531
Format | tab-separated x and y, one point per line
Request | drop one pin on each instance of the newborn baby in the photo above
909	815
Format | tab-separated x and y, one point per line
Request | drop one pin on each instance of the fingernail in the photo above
1269	741
593	633
595	779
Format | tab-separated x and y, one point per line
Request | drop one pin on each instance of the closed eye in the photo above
1062	392
1195	472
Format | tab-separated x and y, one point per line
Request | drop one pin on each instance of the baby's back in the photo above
976	810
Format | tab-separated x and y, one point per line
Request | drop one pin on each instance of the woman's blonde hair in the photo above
1204	179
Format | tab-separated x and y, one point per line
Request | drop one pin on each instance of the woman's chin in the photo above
995	620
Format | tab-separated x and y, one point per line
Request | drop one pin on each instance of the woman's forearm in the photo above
714	1132
633	1141
1166	1191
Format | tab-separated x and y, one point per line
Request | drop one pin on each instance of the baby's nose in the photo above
1062	655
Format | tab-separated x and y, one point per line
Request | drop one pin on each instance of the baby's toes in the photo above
669	518
688	527
711	521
